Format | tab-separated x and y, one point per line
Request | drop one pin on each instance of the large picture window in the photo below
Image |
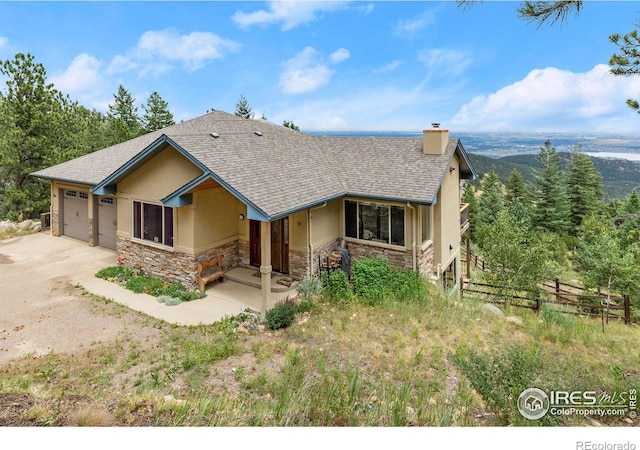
153	223
374	222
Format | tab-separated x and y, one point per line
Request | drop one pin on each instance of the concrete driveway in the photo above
38	258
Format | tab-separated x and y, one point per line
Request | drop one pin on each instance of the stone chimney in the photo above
435	140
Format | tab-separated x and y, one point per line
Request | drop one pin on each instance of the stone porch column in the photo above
265	264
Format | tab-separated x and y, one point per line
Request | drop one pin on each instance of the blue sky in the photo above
363	65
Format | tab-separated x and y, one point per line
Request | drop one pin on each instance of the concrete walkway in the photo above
77	263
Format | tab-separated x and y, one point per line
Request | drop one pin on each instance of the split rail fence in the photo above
569	299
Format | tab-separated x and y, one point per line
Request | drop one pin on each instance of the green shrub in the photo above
147	285
337	285
168	300
282	314
370	278
310	287
406	285
500	377
115	272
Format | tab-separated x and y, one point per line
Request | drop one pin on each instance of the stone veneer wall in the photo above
298	264
243	253
322	252
174	266
55	223
396	258
426	258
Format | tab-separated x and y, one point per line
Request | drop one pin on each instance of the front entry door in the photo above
279	244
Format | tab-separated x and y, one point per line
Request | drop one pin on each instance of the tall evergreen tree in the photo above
515	187
290	124
156	114
243	109
32	114
124	121
491	199
584	186
552	209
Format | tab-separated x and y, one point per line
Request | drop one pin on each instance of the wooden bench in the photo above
208	271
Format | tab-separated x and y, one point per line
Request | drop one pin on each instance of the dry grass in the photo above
352	365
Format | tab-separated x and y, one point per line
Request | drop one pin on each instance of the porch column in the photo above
265	264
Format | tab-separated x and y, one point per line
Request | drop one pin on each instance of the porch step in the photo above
247	276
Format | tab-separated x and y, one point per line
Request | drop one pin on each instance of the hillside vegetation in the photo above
434	360
619	177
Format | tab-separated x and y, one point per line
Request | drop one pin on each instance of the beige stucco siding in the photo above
159	177
326	223
447	217
298	231
216	218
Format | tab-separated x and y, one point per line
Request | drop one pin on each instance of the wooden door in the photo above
279	244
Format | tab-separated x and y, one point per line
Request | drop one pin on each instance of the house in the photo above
266	196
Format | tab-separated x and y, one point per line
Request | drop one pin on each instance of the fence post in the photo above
627	309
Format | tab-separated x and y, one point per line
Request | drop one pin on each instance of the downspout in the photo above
309	234
414	226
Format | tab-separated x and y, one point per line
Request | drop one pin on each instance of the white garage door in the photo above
75	214
107	222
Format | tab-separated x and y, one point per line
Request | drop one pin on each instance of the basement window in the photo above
374	222
153	223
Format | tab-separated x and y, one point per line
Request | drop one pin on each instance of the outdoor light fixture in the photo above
451	169
241	216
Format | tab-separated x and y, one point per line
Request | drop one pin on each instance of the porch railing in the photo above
464	217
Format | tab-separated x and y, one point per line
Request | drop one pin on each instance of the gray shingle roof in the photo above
282	170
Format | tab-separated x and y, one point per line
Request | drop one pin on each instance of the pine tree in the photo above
491	200
290	124
124	122
32	114
243	109
552	209
584	186
156	114
515	187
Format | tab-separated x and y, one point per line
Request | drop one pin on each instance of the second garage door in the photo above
107	222
76	214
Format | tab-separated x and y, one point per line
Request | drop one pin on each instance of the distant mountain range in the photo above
502	152
619	176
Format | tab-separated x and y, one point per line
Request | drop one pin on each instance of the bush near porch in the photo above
134	279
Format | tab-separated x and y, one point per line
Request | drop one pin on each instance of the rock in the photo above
37	227
493	309
513	319
242	330
25	224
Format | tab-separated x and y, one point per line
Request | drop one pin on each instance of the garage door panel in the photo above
107	222
75	206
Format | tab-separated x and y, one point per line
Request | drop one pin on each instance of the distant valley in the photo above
616	156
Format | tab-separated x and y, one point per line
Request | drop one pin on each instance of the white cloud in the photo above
393	65
411	27
160	51
339	55
555	100
290	13
444	62
83	82
305	72
3	41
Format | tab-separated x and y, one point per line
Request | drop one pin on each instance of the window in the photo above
374	222
153	223
426	223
